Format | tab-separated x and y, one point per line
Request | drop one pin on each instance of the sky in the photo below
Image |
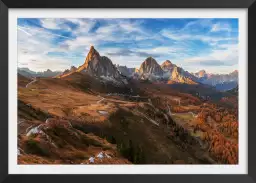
193	44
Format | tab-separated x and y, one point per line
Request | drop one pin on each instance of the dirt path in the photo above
34	80
102	98
151	120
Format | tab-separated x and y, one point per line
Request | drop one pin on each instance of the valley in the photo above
94	114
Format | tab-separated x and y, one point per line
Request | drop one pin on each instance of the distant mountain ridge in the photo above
234	91
200	74
225	86
128	72
30	74
220	81
102	67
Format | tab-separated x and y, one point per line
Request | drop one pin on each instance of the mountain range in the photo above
220	81
30	74
102	113
102	67
98	66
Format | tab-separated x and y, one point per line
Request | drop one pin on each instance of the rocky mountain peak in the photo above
91	55
180	76
167	65
234	72
73	68
99	66
201	73
150	66
150	60
167	62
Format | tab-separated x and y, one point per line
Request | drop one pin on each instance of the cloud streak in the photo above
127	52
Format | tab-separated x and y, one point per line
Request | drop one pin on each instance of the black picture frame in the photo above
250	5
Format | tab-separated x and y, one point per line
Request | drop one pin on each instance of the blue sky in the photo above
194	44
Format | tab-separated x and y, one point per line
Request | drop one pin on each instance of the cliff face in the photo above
96	65
150	66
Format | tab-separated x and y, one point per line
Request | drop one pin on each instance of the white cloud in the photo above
85	41
179	36
129	61
224	55
166	50
109	29
54	23
116	32
211	69
33	49
161	50
84	25
131	27
40	62
197	25
50	23
23	30
221	27
37	32
192	31
122	27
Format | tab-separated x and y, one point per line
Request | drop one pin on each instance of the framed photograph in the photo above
130	91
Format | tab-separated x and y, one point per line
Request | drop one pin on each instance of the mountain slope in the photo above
70	120
67	125
23	81
234	91
176	74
